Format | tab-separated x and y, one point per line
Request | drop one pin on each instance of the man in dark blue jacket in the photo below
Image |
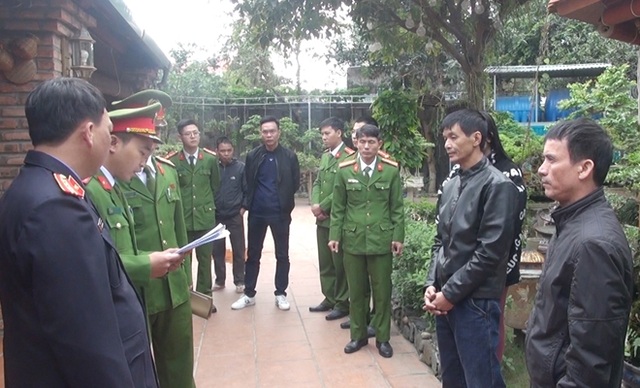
71	315
272	173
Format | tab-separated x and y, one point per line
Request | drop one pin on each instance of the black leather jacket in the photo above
288	176
576	330
475	232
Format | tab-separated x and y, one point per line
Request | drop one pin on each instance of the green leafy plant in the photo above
608	98
410	268
632	340
397	115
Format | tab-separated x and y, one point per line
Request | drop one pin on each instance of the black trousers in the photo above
235	226
257	232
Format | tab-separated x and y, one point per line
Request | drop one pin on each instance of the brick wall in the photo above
52	22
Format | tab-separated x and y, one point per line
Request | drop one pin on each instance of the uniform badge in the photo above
69	185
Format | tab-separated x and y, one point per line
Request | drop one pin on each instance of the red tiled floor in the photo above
261	346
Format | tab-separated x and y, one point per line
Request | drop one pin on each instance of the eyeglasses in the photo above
191	134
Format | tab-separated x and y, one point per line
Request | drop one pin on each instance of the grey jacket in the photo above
576	331
475	231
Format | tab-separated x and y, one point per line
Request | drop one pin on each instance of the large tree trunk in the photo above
428	116
475	86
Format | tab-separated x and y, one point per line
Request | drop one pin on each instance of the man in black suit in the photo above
71	316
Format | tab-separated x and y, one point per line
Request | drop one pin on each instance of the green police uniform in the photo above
366	216
159	225
112	206
198	186
333	282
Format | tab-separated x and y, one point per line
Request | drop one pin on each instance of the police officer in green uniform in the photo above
154	197
333	281
132	140
360	121
367	221
199	181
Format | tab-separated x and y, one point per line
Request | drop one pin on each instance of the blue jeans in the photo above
467	340
257	231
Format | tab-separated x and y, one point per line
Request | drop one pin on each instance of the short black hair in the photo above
585	140
270	119
223	140
184	122
336	123
469	120
56	107
367	120
368	130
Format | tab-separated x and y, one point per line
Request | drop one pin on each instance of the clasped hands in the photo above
435	302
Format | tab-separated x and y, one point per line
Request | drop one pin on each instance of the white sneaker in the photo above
282	303
243	302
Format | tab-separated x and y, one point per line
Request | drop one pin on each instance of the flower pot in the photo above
630	376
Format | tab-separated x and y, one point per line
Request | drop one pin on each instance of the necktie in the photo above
192	160
366	173
151	180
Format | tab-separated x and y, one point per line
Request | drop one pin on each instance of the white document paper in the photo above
217	233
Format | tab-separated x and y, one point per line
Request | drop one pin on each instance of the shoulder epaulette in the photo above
209	151
165	161
389	161
349	151
384	154
68	185
347	163
171	154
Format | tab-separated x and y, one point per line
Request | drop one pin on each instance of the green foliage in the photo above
392	27
625	207
524	147
424	211
632	340
291	136
397	115
609	96
410	268
519	142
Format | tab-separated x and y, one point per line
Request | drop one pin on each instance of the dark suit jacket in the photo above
71	315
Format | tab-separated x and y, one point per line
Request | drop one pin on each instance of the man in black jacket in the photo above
469	260
71	315
229	212
576	331
272	173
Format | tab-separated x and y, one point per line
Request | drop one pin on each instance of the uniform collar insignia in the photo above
69	185
104	182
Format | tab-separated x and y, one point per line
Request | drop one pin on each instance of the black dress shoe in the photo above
354	346
385	349
346	324
371	332
319	308
336	314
